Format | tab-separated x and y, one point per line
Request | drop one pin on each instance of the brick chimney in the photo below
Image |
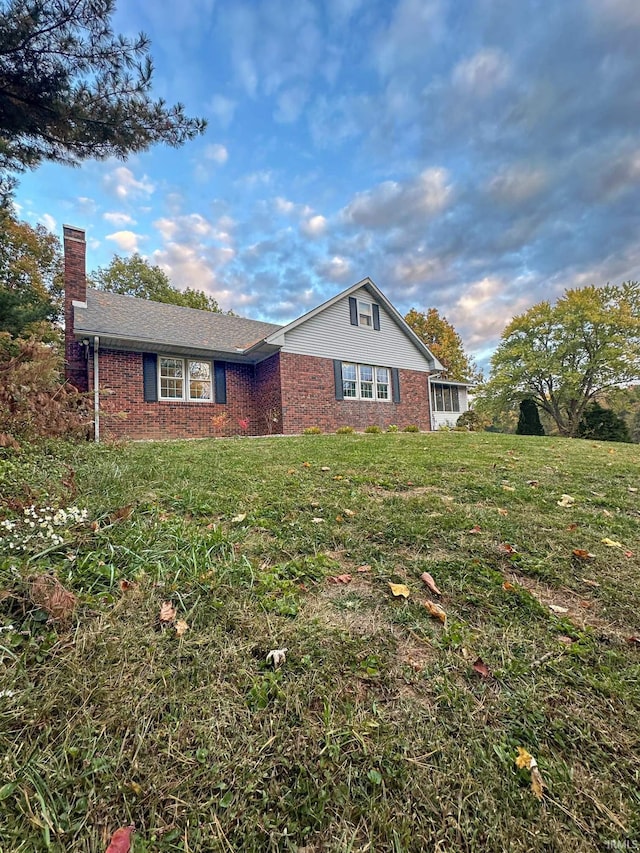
75	291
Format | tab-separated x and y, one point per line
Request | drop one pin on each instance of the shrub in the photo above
35	402
314	430
392	428
529	419
411	428
345	430
602	424
470	421
373	428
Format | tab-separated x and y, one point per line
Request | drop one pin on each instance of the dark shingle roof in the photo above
127	317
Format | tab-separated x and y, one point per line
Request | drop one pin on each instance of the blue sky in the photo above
476	156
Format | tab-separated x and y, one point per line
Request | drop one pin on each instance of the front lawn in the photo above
385	729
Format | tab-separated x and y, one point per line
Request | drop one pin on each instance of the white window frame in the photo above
375	383
446	391
365	309
186	380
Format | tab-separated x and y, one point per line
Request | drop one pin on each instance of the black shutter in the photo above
395	384
376	317
353	310
220	379
337	375
150	377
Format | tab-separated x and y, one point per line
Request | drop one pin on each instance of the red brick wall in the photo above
308	392
75	287
125	414
268	396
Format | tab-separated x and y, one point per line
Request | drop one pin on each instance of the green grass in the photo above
376	734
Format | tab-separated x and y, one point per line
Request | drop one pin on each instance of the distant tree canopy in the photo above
30	278
562	356
445	343
135	276
70	89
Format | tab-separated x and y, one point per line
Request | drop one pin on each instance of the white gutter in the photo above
96	390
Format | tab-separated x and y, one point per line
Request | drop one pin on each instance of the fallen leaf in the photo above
533	483
481	668
121	514
610	543
126	585
475	529
508	586
589	582
557	609
503	511
632	489
566	641
429	581
339	519
181	627
238	518
399	589
49	595
607	513
506	548
364	568
95	526
572	526
277	657
338	477
508	488
526	761
325	468
628	554
136	788
121	840
633	641
582	554
340	579
348	512
317	520
291	471
167	612
566	500
436	611
306	464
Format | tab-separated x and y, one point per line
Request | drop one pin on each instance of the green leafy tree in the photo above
602	424
445	343
30	279
563	355
71	89
135	276
529	419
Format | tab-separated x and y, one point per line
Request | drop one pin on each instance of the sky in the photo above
475	156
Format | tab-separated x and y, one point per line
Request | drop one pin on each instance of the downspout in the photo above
96	390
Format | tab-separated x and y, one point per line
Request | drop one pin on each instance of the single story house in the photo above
163	371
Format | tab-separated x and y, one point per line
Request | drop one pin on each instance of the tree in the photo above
445	343
529	419
563	355
70	89
30	278
135	276
602	424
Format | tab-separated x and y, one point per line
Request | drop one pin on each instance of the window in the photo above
445	398
174	371
365	382
365	314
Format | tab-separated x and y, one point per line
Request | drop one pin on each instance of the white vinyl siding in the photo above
330	334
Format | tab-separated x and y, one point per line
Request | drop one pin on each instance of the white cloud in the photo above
48	221
336	269
314	226
118	219
217	153
223	109
283	206
481	74
123	184
291	102
127	241
516	184
621	13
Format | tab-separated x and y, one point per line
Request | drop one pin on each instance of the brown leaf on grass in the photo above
181	627
589	582
121	514
49	595
126	585
566	641
481	668
533	483
506	488
582	554
508	586
340	579
364	568
566	501
556	608
338	477
572	526
633	641
325	468
306	464
503	511
628	554
436	611
475	529
429	581
168	612
121	840
349	513
95	526
399	590
526	761
506	548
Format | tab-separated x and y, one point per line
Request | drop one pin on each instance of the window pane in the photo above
439	401
171	388
171	381
365	317
447	398
382	390
366	390
199	380
455	399
366	373
349	388
171	367
349	371
382	374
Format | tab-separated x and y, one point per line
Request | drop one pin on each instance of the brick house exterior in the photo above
161	371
